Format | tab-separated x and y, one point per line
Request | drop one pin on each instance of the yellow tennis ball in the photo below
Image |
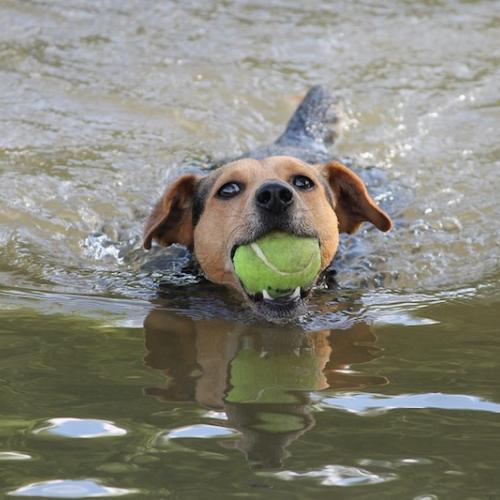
278	263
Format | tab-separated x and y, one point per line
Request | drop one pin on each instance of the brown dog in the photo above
247	198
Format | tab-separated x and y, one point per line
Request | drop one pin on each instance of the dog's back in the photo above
312	128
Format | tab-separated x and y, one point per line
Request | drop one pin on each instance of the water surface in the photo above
386	389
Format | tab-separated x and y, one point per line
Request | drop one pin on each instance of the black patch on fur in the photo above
200	197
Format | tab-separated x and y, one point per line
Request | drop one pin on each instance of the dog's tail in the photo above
315	121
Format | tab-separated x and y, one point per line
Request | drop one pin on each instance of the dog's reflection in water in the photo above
260	376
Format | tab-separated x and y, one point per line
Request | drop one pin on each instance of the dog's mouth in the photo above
279	309
282	300
285	305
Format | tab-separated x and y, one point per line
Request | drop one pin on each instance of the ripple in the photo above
201	431
216	415
369	404
394	463
13	455
69	488
81	428
339	475
401	317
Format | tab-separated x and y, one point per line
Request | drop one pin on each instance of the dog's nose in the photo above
274	197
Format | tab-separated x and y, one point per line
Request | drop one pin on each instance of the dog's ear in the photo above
171	220
353	204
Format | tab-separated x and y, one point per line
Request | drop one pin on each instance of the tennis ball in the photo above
278	263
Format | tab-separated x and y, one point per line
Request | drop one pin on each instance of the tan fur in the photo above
224	222
228	218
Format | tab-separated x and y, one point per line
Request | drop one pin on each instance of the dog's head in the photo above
243	200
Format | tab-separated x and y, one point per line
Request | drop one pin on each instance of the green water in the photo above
387	389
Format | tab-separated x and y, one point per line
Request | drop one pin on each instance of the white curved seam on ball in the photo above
260	254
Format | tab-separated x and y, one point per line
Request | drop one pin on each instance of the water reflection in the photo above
81	428
69	488
259	376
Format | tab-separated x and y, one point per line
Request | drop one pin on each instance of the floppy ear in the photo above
171	220
353	204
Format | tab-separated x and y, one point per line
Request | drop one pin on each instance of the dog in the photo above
293	185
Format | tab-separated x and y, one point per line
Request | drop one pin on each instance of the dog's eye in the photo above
229	190
303	182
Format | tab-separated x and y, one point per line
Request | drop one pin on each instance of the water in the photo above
387	389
